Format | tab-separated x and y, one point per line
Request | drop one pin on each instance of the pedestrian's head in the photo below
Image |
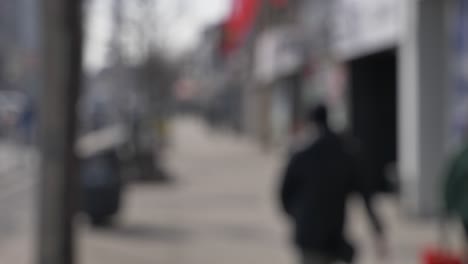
318	116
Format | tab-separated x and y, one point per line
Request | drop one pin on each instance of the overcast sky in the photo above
181	22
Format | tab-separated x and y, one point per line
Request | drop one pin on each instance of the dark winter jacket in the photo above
316	185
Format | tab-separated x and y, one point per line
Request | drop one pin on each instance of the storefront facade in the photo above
403	104
393	56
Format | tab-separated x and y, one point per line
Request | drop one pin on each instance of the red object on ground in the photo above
239	24
438	256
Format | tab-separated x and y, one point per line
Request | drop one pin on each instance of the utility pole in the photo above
61	75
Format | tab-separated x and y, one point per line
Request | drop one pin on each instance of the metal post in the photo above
61	50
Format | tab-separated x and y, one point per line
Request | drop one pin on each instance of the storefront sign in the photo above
364	26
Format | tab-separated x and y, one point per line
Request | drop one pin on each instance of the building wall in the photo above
19	43
421	37
423	99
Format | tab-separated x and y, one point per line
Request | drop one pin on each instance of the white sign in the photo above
364	26
278	53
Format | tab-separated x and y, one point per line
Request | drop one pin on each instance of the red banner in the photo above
239	24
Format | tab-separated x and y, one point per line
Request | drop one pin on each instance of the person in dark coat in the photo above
316	186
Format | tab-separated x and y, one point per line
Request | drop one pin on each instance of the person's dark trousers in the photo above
308	257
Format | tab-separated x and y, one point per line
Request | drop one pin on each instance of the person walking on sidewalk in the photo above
314	191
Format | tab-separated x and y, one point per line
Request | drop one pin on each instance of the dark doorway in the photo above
373	98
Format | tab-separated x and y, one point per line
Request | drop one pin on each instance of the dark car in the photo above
103	133
101	172
101	187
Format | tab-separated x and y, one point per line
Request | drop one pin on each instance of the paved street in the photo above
221	209
18	171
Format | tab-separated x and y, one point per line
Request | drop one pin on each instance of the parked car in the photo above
102	135
101	173
102	187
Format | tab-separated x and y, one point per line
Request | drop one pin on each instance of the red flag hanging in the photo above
239	24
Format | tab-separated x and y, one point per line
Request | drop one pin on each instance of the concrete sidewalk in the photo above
18	189
219	210
222	209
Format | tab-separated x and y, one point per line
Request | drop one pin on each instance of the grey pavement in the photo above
220	210
18	168
217	211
